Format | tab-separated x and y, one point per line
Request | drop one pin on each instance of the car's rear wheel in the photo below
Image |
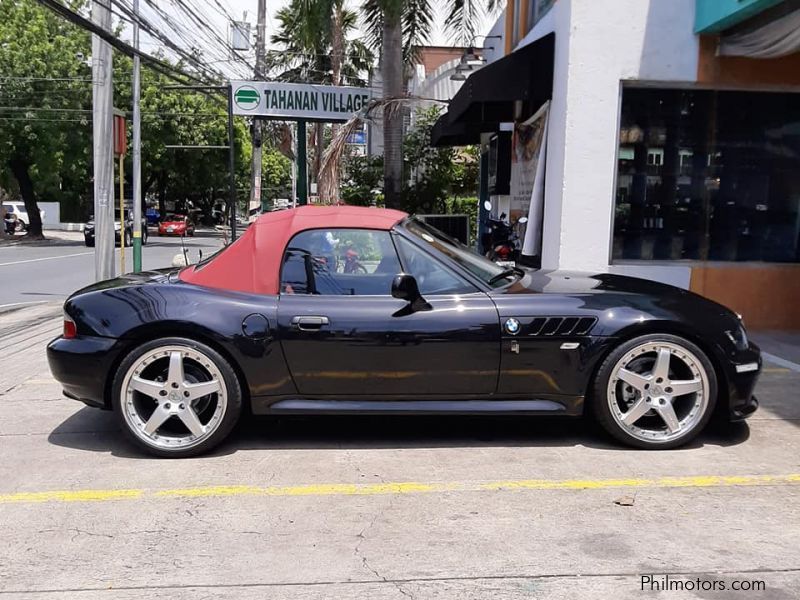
656	391
176	397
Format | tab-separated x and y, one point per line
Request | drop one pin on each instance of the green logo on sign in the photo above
247	98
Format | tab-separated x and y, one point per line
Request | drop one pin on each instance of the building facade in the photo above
673	140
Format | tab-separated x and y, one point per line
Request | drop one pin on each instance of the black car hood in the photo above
576	282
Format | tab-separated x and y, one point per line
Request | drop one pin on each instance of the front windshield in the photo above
478	265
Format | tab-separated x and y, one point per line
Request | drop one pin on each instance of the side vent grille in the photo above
557	326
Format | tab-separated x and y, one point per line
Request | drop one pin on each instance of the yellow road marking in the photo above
775	370
72	496
374	489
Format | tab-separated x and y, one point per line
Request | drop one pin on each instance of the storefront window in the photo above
708	175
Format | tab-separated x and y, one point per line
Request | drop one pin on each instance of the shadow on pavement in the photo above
97	431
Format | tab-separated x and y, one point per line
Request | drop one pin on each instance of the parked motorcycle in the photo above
502	241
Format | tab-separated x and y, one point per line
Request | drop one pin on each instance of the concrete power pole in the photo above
137	148
261	60
102	136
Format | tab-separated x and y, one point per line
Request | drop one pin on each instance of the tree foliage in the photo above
435	177
45	89
46	123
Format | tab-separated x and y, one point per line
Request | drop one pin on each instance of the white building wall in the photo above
598	45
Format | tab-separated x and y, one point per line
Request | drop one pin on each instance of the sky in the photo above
217	12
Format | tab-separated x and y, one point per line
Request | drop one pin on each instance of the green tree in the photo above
362	175
436	177
276	177
45	89
397	27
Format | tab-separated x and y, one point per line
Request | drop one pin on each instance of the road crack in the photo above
362	536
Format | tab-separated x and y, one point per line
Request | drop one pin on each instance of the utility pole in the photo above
261	60
102	135
137	147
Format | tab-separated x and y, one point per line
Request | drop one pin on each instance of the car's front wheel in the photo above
176	397
656	391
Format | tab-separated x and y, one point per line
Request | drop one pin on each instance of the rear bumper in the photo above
81	365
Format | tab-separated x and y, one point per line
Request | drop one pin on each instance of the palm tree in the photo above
316	48
397	27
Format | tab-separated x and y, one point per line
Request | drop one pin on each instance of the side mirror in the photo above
404	287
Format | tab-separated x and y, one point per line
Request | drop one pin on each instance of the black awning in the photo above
488	95
445	133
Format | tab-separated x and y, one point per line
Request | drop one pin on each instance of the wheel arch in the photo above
668	328
164	329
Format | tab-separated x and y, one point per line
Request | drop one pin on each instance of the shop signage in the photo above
298	100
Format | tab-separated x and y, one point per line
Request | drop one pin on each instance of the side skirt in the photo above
568	406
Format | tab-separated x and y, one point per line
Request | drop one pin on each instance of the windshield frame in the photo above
465	259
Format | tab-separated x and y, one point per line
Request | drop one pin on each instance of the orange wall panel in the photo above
738	71
768	296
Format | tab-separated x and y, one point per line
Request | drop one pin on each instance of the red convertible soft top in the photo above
253	263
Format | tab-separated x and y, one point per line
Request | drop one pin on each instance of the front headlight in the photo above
739	337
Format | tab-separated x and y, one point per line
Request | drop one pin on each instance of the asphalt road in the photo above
52	270
387	507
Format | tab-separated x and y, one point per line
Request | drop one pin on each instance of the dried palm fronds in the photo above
332	157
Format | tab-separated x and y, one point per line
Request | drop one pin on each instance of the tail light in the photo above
70	330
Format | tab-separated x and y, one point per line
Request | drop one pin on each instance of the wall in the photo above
598	44
766	294
738	71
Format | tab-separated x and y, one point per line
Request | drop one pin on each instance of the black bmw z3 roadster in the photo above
357	310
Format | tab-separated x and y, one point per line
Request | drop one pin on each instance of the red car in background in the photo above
176	225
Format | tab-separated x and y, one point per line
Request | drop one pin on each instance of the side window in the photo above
431	276
340	262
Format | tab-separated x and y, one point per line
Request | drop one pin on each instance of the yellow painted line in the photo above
375	489
72	496
775	370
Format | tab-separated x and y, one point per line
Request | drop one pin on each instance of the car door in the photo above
343	334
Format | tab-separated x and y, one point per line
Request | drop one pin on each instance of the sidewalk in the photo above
779	347
53	237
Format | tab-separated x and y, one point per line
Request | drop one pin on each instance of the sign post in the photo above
301	102
302	164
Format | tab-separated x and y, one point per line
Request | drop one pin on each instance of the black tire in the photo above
144	237
89	243
128	239
232	411
601	406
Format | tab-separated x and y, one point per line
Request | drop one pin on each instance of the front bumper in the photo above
82	365
743	372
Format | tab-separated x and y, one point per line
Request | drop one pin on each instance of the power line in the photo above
37	119
159	65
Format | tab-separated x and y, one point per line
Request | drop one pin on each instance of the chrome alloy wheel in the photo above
173	397
658	391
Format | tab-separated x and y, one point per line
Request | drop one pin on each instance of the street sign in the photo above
298	100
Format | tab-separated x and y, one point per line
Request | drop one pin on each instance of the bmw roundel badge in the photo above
512	326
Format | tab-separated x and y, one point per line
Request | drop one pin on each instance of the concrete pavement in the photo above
386	507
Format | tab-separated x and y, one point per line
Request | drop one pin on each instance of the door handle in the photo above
314	323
